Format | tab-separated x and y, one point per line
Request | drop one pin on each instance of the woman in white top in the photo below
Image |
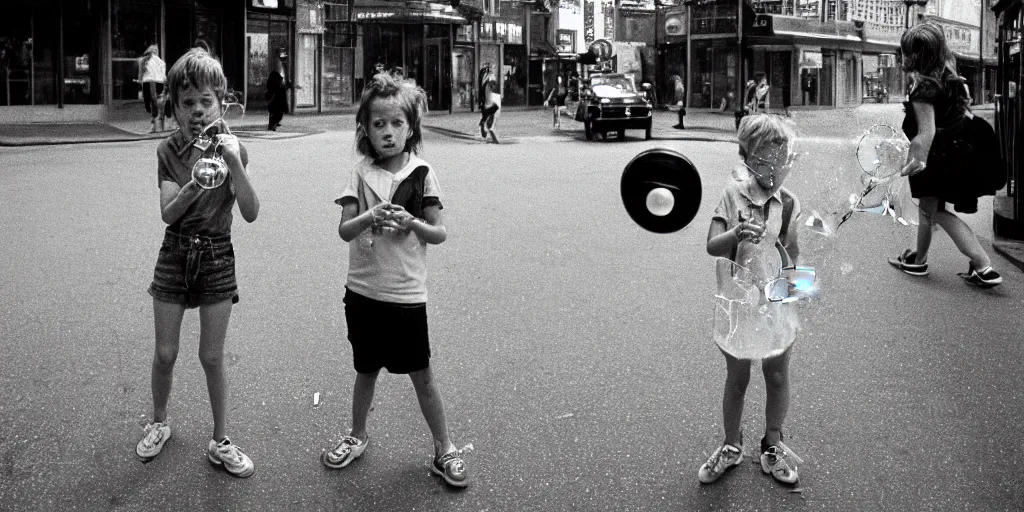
152	75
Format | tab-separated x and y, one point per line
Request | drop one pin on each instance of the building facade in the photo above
77	60
1008	215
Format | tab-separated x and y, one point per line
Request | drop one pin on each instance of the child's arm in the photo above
922	143
353	223
722	242
175	200
245	194
430	228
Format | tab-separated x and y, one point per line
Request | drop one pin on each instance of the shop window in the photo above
134	26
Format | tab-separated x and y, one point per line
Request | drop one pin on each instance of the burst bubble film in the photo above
747	325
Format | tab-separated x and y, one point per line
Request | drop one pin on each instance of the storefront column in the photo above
451	61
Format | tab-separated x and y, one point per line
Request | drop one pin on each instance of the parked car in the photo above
611	102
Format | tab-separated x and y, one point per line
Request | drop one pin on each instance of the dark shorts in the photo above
195	270
386	334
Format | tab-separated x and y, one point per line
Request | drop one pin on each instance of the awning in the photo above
415	12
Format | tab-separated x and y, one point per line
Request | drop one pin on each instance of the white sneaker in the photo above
156	434
346	451
231	457
725	457
773	461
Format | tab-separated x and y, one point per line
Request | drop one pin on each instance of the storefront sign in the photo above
836	30
588	21
810	59
374	15
881	33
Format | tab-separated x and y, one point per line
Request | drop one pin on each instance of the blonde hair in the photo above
196	69
410	99
757	129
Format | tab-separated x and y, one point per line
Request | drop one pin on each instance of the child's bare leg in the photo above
928	205
433	409
167	319
213	328
362	399
736	380
776	382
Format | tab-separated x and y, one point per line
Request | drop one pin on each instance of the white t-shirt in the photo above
155	70
389	267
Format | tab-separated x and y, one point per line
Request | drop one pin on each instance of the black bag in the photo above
967	152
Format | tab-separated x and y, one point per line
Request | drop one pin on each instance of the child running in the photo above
391	211
738	233
196	264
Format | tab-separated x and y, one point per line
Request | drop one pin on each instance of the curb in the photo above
1012	250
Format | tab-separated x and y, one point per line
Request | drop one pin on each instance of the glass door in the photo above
266	39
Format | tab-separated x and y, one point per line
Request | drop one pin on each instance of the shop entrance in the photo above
437	79
266	39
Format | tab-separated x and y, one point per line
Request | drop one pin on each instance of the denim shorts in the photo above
195	270
386	335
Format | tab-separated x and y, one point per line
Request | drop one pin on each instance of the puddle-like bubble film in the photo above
747	325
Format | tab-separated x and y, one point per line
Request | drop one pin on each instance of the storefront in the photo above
416	36
881	77
818	64
39	77
269	35
715	59
77	60
1008	214
503	46
671	61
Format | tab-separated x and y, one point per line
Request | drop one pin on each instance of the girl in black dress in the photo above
938	103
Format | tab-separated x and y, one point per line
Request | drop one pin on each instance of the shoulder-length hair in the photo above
925	51
410	99
926	55
196	69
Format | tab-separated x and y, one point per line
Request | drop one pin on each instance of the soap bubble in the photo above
746	324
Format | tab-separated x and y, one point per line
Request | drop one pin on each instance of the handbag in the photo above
967	151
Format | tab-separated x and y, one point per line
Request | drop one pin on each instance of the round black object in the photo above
661	168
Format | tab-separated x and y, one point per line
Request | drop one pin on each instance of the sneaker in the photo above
451	468
725	457
986	278
231	457
483	131
157	434
774	461
494	137
346	451
907	263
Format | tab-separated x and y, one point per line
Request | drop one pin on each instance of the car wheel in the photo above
647	131
588	130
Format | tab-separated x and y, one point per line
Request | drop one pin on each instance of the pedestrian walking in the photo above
391	211
152	75
748	97
753	208
277	91
196	262
937	111
490	103
679	99
556	100
762	95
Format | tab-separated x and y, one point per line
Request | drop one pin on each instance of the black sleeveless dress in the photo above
945	178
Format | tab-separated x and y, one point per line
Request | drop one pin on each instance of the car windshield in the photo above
612	83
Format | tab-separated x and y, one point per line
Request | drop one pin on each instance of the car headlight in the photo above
605	100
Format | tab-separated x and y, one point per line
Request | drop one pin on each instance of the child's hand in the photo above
749	229
227	145
381	212
399	218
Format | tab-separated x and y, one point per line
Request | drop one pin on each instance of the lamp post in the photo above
910	3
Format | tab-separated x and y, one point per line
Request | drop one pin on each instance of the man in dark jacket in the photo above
277	92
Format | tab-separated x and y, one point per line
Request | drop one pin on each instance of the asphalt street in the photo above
573	349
